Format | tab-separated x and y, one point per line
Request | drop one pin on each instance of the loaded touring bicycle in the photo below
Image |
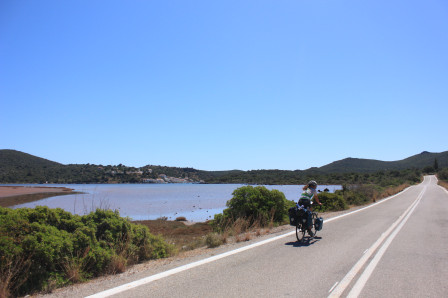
305	221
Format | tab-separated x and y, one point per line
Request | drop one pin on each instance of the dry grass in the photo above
184	237
213	240
244	237
117	264
225	237
443	184
390	191
73	270
11	275
240	226
261	232
188	237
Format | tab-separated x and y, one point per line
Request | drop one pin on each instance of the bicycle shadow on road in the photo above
306	242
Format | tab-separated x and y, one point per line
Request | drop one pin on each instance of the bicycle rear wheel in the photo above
300	232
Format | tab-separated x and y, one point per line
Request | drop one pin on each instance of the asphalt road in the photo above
397	248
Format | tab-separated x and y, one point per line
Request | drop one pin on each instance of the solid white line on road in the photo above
364	208
345	282
357	288
335	284
152	278
444	189
161	275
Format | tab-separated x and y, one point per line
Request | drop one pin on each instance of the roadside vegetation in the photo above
442	175
184	237
42	248
256	206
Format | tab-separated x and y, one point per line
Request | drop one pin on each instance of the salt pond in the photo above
196	202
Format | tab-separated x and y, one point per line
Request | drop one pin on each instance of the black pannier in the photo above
294	215
318	223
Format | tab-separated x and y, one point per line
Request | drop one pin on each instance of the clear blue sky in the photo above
219	85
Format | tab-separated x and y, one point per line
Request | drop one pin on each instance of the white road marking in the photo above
335	284
437	181
443	189
152	278
361	262
364	208
357	288
173	271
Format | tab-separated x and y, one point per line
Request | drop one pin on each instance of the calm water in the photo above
197	202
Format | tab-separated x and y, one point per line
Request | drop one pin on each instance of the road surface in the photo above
395	248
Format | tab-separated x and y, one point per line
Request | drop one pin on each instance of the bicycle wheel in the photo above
300	232
313	221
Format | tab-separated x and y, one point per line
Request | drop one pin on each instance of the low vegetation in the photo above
183	237
43	248
255	205
442	175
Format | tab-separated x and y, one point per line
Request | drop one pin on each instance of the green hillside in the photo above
425	159
19	167
10	159
357	165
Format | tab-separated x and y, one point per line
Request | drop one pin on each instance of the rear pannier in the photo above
318	223
293	216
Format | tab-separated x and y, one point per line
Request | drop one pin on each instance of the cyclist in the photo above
309	193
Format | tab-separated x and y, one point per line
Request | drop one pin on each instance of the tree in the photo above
436	165
428	170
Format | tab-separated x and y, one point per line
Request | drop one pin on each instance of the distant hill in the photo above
358	165
20	167
14	159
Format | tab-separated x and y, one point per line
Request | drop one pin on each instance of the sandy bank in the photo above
15	195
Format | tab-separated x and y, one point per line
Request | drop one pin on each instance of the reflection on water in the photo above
196	202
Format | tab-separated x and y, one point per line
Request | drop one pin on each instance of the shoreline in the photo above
15	195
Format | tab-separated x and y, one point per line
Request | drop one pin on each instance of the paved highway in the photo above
395	248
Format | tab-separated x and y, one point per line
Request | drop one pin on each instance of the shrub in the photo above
44	248
331	202
257	202
213	240
359	194
443	174
356	198
253	205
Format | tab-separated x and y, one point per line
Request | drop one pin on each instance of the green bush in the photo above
443	174
213	240
53	246
359	194
255	204
331	202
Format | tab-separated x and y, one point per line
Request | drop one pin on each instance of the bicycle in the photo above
302	227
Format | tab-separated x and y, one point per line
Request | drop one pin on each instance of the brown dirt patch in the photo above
16	195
